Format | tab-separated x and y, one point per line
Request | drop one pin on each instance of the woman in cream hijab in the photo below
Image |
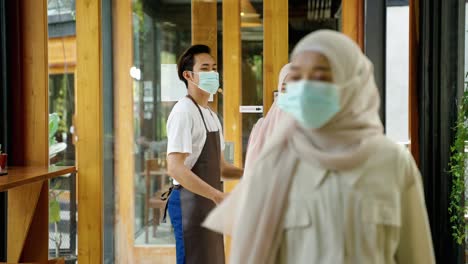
266	126
328	187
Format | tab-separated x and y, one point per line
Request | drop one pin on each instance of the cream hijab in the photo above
253	213
265	126
343	142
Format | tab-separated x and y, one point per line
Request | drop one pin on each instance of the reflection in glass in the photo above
161	31
311	15
61	106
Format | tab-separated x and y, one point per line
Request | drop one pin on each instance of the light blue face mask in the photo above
208	81
312	103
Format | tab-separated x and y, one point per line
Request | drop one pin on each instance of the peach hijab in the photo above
265	126
254	211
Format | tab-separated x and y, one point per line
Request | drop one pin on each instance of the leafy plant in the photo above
457	165
54	215
54	192
54	120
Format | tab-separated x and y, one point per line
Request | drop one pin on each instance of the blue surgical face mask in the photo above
311	103
208	81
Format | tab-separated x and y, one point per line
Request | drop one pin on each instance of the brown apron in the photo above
203	246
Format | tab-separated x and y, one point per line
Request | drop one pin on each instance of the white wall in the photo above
397	73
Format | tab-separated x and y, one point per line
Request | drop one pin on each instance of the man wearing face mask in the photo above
196	161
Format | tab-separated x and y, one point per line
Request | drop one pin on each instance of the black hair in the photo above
187	60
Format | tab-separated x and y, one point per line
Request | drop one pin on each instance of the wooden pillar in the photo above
353	20
232	63
28	205
89	131
123	115
232	76
205	31
204	24
275	46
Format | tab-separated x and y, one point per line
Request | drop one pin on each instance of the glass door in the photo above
148	38
160	33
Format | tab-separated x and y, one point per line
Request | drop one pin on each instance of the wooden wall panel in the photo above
29	131
89	130
232	76
36	246
35	81
414	38
30	105
275	46
22	203
205	29
353	20
123	111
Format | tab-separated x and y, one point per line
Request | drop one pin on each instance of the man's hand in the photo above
229	171
219	197
190	181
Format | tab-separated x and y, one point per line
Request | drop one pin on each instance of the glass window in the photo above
61	107
252	65
161	32
62	190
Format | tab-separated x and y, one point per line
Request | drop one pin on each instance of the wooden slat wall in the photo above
204	31
353	20
123	111
27	205
275	46
89	130
413	78
232	76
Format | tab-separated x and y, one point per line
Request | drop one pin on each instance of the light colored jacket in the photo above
374	213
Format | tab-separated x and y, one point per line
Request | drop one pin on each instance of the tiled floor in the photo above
164	236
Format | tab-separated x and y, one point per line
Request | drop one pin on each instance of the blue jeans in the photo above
175	213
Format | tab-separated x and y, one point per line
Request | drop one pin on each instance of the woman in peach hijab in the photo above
265	126
328	187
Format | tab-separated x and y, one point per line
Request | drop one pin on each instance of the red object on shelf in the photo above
3	161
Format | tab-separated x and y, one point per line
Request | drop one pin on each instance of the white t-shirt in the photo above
186	132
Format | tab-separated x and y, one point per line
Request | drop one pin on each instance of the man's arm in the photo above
190	181
230	171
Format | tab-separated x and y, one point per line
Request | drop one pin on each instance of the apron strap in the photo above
165	197
199	109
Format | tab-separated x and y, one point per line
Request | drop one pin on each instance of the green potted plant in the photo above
457	169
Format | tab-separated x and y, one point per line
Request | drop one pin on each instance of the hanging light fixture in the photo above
249	16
